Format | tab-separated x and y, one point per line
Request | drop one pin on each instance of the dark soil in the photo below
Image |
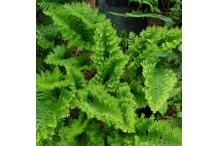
88	74
155	22
100	125
74	113
170	113
180	78
75	51
92	3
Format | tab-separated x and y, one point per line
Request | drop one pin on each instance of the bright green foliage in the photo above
158	85
96	102
109	58
139	93
46	36
89	90
159	134
46	120
154	42
154	46
51	80
75	128
50	111
76	22
45	4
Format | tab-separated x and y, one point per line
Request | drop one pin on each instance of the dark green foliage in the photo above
89	88
169	11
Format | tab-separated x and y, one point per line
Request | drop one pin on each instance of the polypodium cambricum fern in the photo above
146	52
91	89
158	134
76	22
159	83
109	58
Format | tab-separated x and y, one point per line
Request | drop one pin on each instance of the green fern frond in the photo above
96	102
107	43
109	59
111	72
106	38
46	36
75	128
139	93
46	4
154	42
50	80
159	133
46	120
159	84
76	21
61	56
168	135
143	124
76	78
67	100
94	133
165	39
128	106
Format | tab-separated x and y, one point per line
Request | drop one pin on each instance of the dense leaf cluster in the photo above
91	91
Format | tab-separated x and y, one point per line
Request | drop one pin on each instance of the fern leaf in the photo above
60	57
46	120
75	128
76	21
109	59
96	102
51	80
158	85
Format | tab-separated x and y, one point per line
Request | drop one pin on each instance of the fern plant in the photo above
155	46
89	89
